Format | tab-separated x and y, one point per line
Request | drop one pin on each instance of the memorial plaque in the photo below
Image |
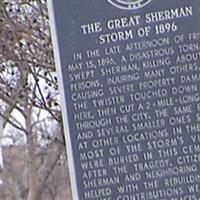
130	83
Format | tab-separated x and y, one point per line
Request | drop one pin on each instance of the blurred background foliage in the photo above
34	163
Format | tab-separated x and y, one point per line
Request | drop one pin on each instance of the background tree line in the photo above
33	146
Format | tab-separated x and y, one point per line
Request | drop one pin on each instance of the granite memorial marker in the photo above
130	82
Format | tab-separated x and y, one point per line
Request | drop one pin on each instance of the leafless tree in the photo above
29	102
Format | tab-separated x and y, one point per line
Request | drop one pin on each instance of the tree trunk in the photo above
33	172
33	179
